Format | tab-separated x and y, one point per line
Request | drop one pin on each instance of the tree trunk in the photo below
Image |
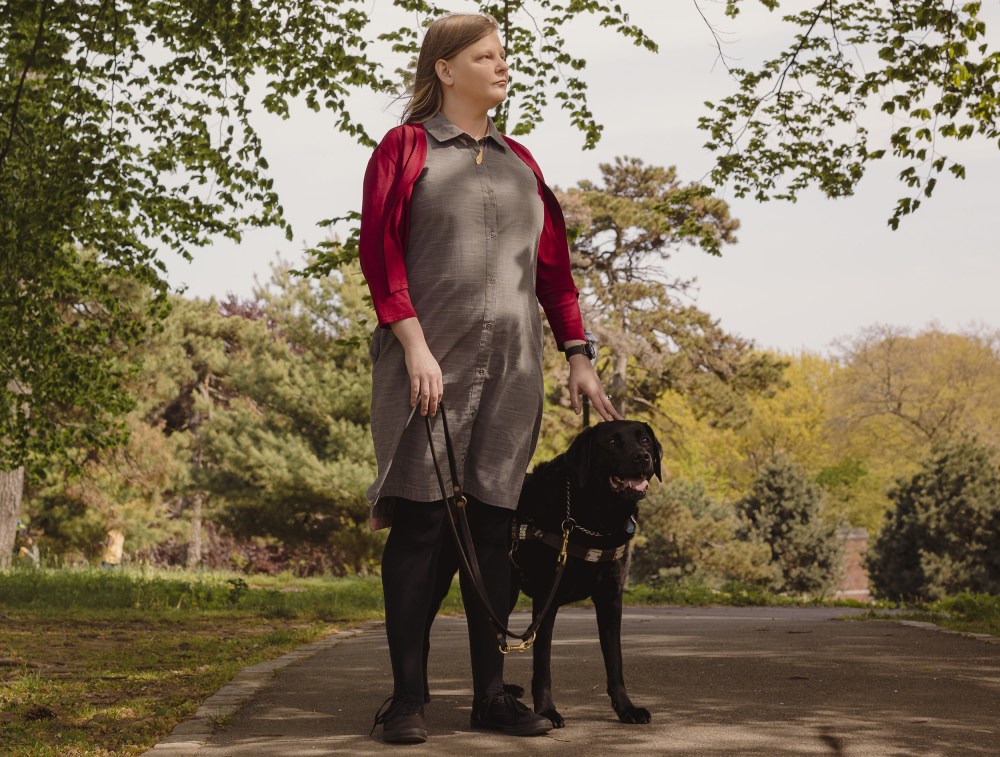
619	382
11	490
194	544
197	498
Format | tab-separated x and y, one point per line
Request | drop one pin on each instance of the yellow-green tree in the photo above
918	389
896	395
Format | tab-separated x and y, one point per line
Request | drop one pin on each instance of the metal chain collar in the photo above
572	523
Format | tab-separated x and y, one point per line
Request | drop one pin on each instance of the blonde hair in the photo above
445	38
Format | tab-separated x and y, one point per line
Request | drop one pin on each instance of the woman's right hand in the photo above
426	383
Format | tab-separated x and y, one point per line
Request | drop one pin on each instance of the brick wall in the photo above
854	584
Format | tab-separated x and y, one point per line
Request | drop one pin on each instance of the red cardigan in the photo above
392	171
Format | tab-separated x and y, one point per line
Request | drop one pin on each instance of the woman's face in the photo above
477	74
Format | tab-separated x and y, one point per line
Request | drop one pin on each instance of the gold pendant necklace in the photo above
479	157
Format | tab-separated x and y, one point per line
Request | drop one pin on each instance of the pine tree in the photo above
289	455
685	533
943	536
784	509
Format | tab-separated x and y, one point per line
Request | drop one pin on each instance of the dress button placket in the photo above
490	220
492	255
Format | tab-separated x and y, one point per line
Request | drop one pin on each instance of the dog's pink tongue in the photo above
639	484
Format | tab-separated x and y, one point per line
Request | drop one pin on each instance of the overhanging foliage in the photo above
797	119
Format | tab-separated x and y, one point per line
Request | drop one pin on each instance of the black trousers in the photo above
418	565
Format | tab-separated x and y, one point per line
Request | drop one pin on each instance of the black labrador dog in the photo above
595	487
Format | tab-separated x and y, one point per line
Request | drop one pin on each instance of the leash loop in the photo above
467	550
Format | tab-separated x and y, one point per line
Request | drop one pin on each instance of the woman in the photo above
460	241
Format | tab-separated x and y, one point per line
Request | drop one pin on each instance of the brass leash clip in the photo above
567	528
524	646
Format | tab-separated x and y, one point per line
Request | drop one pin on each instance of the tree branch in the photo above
20	85
715	36
780	84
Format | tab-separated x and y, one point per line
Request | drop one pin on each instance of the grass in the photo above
114	685
730	594
105	663
190	592
967	613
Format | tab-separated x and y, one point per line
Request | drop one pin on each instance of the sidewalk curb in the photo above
190	735
988	638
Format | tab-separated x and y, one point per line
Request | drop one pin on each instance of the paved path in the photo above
719	681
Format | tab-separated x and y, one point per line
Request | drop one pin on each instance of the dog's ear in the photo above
578	455
657	451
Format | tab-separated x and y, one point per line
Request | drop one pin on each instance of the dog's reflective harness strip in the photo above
530	532
467	551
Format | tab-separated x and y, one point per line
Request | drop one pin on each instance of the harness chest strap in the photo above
529	532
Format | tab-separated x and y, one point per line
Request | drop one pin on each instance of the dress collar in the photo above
442	130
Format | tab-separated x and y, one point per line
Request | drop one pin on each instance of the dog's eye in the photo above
612	442
644	440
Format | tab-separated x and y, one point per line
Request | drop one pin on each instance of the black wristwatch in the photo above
587	348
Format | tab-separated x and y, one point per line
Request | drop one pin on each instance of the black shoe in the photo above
502	712
402	722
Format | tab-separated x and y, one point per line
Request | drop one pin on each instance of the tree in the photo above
798	419
125	128
128	487
62	367
784	509
943	536
923	388
685	533
895	395
623	233
250	418
11	490
289	456
797	120
802	422
791	420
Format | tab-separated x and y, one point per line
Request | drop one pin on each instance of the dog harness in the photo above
529	531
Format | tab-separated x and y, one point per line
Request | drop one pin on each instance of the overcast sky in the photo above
800	275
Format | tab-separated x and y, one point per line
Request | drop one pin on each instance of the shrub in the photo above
943	536
784	510
685	535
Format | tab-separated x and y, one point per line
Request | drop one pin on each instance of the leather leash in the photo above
467	551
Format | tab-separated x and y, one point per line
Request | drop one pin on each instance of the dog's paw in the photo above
555	717
635	715
514	690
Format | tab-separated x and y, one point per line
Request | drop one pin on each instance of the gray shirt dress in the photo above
470	263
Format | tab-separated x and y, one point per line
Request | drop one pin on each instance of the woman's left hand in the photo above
583	380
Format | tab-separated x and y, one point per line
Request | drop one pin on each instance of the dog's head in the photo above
624	455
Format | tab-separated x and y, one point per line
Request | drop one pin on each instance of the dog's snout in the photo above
642	456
